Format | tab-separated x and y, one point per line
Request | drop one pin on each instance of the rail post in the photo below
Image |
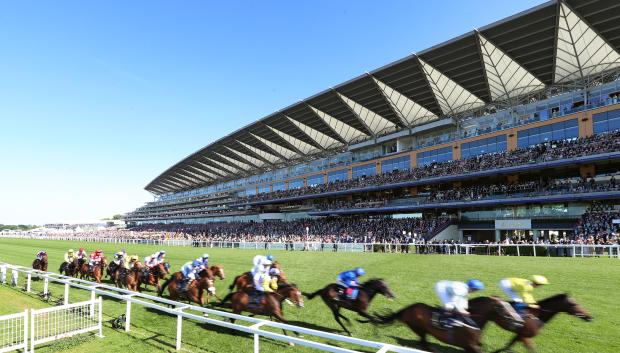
179	328
518	252
92	306
29	282
32	333
257	336
3	274
66	297
45	286
534	249
26	331
128	316
100	305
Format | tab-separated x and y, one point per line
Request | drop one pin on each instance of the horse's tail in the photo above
388	317
311	296
163	286
232	286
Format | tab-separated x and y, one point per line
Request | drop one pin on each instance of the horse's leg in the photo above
507	347
529	344
337	316
366	315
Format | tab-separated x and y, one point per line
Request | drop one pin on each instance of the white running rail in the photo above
14	332
180	310
51	324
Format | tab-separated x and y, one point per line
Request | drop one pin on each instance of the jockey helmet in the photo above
475	284
205	256
98	252
196	263
274	272
81	249
360	271
70	251
270	257
539	280
134	258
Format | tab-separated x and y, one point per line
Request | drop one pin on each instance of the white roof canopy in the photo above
235	162
301	146
320	138
410	111
252	160
283	151
373	121
271	158
345	131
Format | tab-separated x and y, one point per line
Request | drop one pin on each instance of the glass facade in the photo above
608	121
365	170
559	131
400	163
314	180
296	183
488	145
250	191
263	189
338	175
438	155
279	186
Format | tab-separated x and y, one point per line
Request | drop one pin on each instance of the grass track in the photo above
592	282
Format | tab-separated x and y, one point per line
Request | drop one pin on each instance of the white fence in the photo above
14	332
50	324
180	310
561	250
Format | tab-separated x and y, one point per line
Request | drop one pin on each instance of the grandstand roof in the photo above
557	42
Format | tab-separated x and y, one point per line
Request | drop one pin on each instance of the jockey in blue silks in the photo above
348	280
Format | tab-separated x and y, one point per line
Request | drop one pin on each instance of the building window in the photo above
279	186
263	189
563	130
315	180
608	121
437	155
250	191
488	145
296	184
365	170
400	163
338	175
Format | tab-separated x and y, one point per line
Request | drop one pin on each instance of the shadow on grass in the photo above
413	343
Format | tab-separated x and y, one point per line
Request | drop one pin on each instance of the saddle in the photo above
522	310
257	300
446	320
144	274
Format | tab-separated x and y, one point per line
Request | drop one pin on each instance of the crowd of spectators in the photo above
548	151
597	226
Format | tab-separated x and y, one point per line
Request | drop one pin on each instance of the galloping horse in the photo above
97	271
195	291
40	264
152	276
419	318
270	305
535	319
331	296
129	278
69	268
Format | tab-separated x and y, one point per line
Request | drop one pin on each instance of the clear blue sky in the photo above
98	98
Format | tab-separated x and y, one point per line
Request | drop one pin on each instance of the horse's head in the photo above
218	271
562	303
205	281
379	286
291	294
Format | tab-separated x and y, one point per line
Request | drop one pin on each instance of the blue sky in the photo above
98	98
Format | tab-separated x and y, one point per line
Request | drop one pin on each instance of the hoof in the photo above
291	344
205	315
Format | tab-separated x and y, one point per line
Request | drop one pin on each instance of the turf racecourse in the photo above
592	282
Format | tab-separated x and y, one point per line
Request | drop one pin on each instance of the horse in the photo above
218	271
245	280
536	318
419	318
270	305
367	291
97	271
69	268
152	276
195	291
129	278
111	270
40	264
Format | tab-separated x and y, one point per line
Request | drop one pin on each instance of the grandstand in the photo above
507	131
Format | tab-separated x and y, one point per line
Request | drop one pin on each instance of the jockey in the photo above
119	257
348	280
155	259
81	254
130	261
453	294
41	254
190	271
95	258
70	256
204	259
259	262
262	280
519	290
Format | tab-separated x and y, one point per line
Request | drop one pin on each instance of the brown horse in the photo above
152	276
129	278
331	296
419	318
244	280
69	268
96	272
194	293
40	264
270	305
535	319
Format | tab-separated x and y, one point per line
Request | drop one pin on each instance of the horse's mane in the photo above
373	281
557	297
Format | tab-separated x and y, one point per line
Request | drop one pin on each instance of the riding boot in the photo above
185	285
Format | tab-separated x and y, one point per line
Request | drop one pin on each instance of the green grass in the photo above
592	282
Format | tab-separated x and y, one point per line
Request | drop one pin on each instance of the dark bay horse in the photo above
40	264
129	278
152	276
195	292
419	318
367	291
535	319
69	268
244	280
